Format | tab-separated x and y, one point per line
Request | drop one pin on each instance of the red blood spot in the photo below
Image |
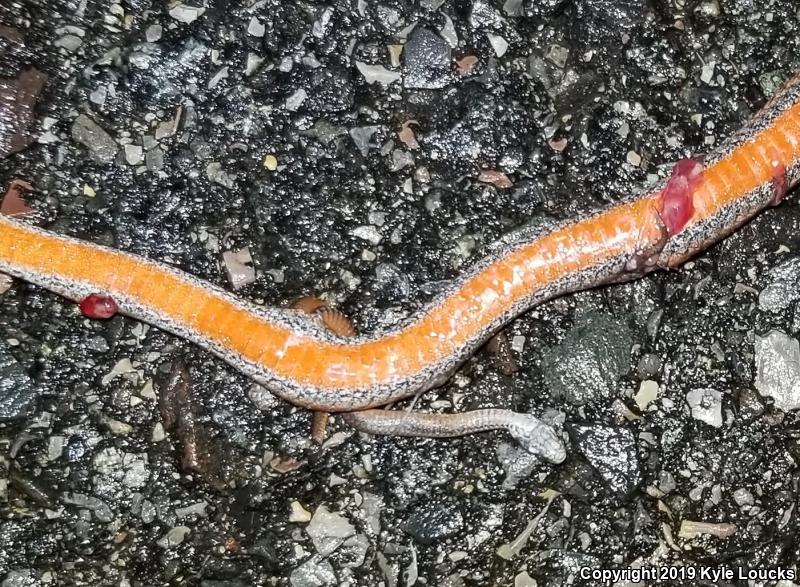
780	185
676	207
98	306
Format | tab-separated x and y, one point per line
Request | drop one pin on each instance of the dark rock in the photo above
333	89
433	521
91	135
427	61
17	390
782	289
157	74
751	406
471	124
648	366
612	453
623	14
589	361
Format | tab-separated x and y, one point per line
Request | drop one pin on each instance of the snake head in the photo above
539	438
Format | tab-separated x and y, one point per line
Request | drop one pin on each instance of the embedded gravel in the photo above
278	132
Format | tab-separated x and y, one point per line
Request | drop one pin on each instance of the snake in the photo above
293	355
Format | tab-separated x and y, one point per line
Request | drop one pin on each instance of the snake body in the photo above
295	357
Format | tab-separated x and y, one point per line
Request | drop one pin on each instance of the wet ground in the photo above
367	151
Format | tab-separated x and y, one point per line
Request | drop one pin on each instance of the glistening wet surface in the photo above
367	152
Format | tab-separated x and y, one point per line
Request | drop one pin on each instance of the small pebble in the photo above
368	233
239	267
558	55
315	572
499	44
706	406
256	28
634	158
743	497
174	537
195	509
154	159
70	43
158	433
271	162
186	14
153	33
296	100
648	393
782	290
92	136
133	154
648	366
377	74
298	513
55	447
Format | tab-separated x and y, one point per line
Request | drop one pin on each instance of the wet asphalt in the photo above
183	131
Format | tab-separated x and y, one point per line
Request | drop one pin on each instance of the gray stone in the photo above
91	135
783	288
706	406
778	369
315	572
328	530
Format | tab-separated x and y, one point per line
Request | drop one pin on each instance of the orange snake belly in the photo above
293	356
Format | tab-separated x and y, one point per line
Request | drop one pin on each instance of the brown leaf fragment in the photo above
497	178
232	544
466	64
11	34
6	281
407	136
284	464
558	145
13	204
17	98
181	414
